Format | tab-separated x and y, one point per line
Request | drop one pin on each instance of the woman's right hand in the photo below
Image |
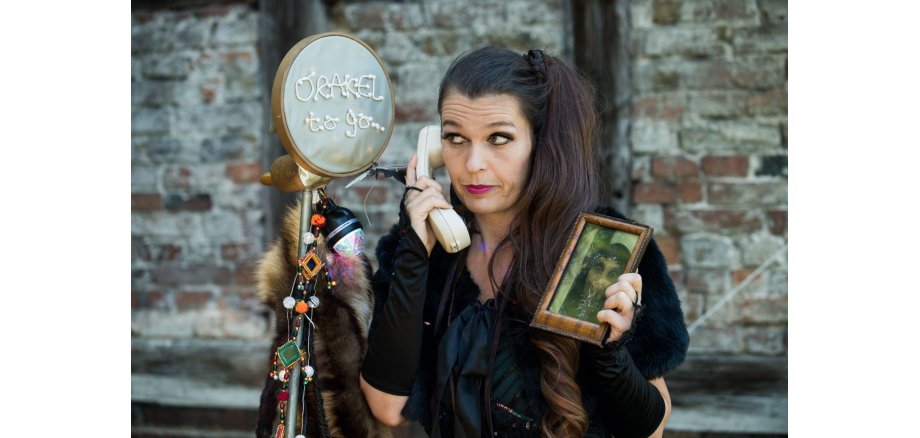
420	203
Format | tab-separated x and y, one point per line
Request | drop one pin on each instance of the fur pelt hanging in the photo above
339	342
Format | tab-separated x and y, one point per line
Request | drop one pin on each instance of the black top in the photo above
659	344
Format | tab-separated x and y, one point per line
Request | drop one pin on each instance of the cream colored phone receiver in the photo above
446	223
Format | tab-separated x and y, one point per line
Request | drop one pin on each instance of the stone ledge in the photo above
730	394
177	391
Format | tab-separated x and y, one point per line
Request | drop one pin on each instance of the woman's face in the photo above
486	148
603	273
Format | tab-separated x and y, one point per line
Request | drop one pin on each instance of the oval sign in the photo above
332	103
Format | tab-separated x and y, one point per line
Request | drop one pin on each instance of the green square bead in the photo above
289	353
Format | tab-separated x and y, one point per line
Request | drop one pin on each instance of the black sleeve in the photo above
395	338
628	404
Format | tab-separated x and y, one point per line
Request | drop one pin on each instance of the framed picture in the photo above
598	251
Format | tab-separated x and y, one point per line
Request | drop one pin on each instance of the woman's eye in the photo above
453	138
499	139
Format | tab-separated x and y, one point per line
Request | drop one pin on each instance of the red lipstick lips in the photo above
477	189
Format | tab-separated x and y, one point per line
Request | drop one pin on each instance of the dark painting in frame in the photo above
598	251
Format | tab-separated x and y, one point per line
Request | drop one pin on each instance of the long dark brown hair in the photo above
562	182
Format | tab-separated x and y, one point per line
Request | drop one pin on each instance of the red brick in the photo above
213	11
169	252
778	222
146	201
234	251
192	300
726	166
760	72
177	178
370	16
146	299
670	248
659	107
720	104
373	194
244	173
655	193
245	275
413	112
208	92
674	167
709	74
770	103
690	191
235	57
740	274
199	202
665	12
713	220
171	275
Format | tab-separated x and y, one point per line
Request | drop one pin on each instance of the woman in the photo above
450	344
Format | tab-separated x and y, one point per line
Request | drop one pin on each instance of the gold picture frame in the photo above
598	251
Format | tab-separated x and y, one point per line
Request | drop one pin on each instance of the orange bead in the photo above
318	220
302	307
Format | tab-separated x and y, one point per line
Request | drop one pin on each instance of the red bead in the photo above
283	396
318	220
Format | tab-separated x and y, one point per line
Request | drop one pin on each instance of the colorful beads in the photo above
308	238
282	395
308	371
314	301
289	303
302	307
318	220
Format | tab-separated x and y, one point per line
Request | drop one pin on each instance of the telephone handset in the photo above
447	225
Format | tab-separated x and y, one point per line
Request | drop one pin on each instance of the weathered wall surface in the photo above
709	137
199	337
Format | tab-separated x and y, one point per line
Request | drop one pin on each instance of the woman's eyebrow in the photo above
449	122
501	123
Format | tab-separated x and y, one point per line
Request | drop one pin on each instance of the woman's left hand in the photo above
620	306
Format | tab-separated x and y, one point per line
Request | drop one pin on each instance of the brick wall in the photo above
195	230
709	141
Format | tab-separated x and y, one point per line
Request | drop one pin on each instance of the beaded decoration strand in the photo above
301	300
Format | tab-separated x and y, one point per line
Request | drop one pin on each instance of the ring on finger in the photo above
414	188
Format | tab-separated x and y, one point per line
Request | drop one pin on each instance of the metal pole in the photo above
306	211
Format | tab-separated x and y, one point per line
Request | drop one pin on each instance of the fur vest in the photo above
340	340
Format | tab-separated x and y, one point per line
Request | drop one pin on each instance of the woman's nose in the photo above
475	161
